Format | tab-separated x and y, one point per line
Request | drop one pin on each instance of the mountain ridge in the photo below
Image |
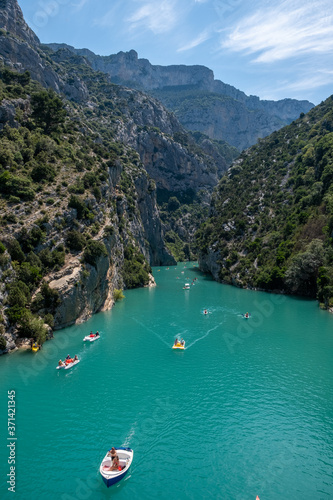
256	118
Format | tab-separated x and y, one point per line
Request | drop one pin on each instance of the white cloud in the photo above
280	32
311	81
197	41
160	17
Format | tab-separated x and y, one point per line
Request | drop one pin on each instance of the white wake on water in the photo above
206	334
183	334
151	331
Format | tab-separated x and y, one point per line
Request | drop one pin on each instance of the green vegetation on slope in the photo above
55	199
271	224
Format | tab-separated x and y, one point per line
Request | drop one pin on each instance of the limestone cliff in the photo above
12	21
20	50
199	101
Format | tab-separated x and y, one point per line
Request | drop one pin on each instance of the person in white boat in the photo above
115	463
112	453
61	363
97	334
68	356
75	357
114	459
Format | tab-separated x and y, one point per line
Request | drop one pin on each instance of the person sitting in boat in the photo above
91	334
115	463
205	311
68	357
246	315
176	342
97	334
75	357
61	363
182	342
114	458
68	361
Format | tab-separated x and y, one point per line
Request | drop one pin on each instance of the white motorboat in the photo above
92	337
111	477
67	366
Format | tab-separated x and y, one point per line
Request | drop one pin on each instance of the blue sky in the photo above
270	49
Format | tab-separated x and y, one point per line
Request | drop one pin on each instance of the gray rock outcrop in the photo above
225	113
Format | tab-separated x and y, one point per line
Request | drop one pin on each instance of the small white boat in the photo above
186	286
111	477
66	366
91	338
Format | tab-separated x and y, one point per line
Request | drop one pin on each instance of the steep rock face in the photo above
229	120
11	20
171	165
126	68
80	298
236	118
208	262
20	50
151	130
151	224
18	54
85	292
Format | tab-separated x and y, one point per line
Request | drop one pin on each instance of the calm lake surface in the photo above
245	410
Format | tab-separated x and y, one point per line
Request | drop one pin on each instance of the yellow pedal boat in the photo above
179	345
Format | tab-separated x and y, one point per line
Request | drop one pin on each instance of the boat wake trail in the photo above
128	438
206	335
151	331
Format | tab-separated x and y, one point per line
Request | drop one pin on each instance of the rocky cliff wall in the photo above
12	21
126	68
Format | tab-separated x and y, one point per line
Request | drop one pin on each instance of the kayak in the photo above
35	348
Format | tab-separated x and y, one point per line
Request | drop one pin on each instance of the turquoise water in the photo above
245	410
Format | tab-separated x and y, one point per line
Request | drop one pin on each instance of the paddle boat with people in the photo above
113	470
68	363
35	347
91	337
179	344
